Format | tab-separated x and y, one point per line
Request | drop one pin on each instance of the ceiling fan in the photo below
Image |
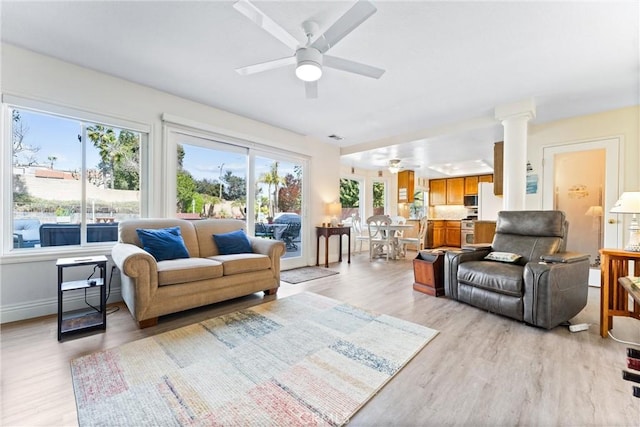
395	166
310	58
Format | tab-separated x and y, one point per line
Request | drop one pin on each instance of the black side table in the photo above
92	318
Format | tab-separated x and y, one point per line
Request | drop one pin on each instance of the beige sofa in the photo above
151	289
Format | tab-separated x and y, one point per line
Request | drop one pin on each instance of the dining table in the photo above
394	231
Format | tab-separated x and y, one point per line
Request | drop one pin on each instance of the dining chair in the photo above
358	233
418	242
379	236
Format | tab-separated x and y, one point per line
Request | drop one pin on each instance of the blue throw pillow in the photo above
163	243
235	242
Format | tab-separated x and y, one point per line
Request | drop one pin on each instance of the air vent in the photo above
336	137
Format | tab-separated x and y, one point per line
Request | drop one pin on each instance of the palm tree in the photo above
110	148
272	178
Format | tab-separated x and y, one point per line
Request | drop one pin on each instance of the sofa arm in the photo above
274	249
451	262
555	292
133	261
140	277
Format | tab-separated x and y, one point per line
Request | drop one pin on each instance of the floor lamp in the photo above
629	203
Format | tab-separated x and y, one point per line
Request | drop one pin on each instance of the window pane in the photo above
378	197
52	188
278	203
211	182
113	180
349	197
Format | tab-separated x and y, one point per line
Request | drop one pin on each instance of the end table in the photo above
92	318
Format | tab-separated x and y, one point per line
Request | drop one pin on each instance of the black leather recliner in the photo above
545	287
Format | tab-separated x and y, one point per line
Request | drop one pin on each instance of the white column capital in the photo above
523	110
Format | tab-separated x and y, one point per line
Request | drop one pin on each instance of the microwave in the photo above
471	201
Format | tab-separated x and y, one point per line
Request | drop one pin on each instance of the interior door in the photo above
566	186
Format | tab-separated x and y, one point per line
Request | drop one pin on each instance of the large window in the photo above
73	180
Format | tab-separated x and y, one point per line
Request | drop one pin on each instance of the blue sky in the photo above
57	137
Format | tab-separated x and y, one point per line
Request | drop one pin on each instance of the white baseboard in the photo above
48	306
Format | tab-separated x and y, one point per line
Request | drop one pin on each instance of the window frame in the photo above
84	118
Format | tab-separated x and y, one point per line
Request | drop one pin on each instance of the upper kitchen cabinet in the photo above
451	191
437	192
405	186
455	191
470	185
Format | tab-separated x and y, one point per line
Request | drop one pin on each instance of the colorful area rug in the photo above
301	360
304	274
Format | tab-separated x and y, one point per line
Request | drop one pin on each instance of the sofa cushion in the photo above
235	242
176	271
494	276
242	263
163	243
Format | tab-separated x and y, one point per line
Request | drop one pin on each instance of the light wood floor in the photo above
482	369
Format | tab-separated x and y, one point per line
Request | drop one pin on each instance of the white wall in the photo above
28	282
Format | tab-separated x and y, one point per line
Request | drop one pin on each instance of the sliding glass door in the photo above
278	202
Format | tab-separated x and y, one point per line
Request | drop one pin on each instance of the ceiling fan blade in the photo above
266	23
348	22
266	66
311	89
352	67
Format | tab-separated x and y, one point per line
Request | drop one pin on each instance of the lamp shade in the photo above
334	209
629	202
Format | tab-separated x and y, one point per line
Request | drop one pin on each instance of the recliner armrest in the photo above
564	257
477	247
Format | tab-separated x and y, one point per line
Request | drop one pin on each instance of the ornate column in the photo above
515	119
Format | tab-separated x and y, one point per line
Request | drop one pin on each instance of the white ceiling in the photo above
448	65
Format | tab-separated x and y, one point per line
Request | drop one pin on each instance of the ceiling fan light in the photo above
309	64
308	71
394	169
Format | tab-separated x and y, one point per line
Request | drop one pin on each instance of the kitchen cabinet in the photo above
452	233
437	192
435	233
471	185
498	165
455	191
405	186
451	191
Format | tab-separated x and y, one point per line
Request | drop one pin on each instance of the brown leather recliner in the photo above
546	286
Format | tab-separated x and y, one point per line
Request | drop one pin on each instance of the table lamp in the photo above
334	211
629	203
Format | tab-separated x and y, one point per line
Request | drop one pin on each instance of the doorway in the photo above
582	179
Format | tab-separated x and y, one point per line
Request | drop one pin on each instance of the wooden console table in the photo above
332	231
614	298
